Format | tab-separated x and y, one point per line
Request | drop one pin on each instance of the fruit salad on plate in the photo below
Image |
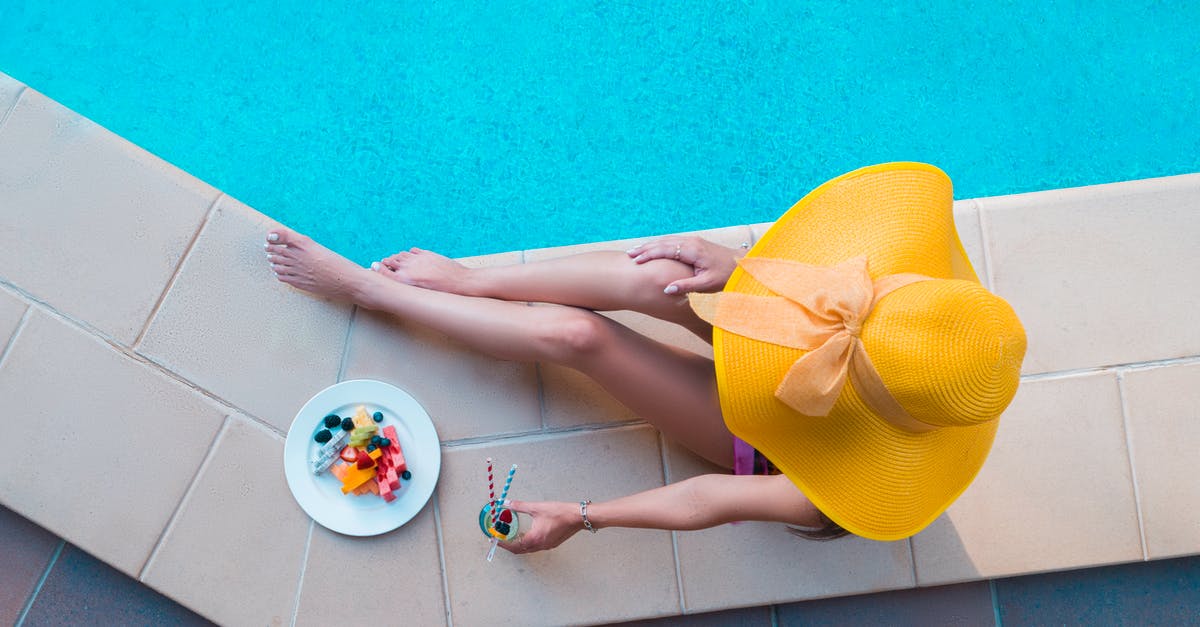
363	456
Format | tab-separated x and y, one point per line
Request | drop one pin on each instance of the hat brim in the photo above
871	477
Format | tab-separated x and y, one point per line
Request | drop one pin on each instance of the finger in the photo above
520	506
520	545
513	546
687	286
665	249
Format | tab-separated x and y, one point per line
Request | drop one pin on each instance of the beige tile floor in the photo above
168	367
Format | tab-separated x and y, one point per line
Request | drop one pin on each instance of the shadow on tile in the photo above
961	604
1164	592
940	556
82	590
745	617
25	550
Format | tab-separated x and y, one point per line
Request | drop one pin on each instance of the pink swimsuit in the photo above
748	461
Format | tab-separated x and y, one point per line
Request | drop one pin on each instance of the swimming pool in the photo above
482	127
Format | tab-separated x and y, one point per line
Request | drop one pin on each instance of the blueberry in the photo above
332	421
370	447
378	416
347	424
323	436
406	475
503	528
384	442
375	440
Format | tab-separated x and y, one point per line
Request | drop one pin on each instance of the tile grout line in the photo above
1137	493
912	556
441	546
538	376
303	571
984	232
666	477
187	252
8	113
995	603
354	309
37	589
12	341
127	352
187	494
524	437
1130	366
541	394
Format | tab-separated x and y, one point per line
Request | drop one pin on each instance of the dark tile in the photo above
1165	592
960	604
744	617
25	550
82	590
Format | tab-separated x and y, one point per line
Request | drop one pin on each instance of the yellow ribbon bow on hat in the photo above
819	309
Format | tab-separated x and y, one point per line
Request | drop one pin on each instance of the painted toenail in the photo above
374	265
272	237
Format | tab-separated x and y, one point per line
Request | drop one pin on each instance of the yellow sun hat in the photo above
856	349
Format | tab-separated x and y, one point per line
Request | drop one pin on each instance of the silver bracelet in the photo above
587	524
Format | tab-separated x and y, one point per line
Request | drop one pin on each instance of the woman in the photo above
854	348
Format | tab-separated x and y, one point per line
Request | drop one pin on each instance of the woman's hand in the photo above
711	263
553	523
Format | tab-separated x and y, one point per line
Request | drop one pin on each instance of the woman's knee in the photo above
575	334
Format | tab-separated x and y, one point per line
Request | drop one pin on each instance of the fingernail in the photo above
374	265
271	237
630	251
671	289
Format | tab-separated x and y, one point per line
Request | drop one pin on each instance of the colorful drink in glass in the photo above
506	524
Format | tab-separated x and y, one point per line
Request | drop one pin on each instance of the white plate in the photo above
321	495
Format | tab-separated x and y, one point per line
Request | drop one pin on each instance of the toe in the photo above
283	236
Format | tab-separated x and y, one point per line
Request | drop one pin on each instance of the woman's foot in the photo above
426	269
301	262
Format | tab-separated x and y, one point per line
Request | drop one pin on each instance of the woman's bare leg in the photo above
601	281
673	389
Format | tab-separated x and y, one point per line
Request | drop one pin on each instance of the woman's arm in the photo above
696	503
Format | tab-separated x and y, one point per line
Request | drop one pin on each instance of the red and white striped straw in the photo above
491	484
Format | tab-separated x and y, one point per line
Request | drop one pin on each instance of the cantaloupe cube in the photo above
355	477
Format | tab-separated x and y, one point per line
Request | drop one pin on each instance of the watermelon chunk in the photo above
397	456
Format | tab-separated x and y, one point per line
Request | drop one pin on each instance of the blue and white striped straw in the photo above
503	494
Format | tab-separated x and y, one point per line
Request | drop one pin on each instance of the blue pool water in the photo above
481	127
